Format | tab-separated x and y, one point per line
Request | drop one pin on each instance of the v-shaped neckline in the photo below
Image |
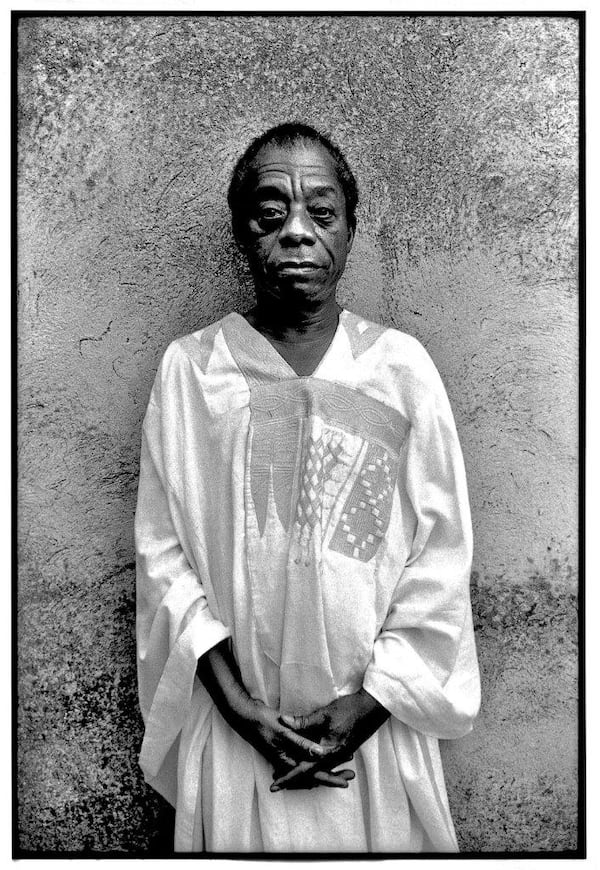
270	351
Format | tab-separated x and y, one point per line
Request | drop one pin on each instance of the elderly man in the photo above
304	547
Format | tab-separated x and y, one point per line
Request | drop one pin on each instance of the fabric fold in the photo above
424	665
175	626
321	524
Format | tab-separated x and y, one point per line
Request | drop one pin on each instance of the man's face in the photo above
296	235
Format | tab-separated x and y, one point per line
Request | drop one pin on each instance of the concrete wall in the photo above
463	133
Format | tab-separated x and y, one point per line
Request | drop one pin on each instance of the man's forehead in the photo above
283	171
306	161
292	166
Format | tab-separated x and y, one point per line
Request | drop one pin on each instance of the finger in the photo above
309	746
302	779
297	770
298	723
293	776
303	723
281	770
345	772
282	765
334	779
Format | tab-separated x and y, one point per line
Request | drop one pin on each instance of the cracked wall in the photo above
463	134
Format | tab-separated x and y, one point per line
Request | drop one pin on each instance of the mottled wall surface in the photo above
463	133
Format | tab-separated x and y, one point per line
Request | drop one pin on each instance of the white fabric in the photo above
323	525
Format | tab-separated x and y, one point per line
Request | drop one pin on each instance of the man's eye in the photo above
270	214
322	212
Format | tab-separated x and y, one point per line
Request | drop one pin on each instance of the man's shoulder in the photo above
398	349
400	361
196	347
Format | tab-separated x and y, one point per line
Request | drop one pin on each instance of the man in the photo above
304	548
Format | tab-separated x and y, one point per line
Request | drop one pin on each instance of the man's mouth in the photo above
297	266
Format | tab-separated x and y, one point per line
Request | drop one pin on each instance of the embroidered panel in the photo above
361	334
257	360
367	510
200	349
273	463
335	403
308	438
324	468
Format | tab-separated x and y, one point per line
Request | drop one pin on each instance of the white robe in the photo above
322	524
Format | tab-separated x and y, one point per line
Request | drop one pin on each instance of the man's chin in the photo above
303	290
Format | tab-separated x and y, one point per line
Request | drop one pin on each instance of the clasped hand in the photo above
304	750
298	761
338	729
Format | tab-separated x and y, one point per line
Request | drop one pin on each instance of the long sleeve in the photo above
174	623
424	665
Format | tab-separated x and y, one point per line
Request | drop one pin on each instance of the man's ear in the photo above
236	229
350	239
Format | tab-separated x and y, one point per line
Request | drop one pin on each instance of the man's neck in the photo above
285	323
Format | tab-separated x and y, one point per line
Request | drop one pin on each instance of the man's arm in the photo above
174	623
424	665
258	724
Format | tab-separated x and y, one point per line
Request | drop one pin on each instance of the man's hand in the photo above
339	728
260	725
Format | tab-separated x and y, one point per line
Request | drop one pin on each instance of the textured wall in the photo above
463	135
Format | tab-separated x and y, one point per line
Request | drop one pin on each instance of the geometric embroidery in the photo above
274	447
200	349
334	403
366	514
301	467
207	343
320	456
255	357
309	501
361	334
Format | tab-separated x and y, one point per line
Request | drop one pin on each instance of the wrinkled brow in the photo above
276	192
270	191
278	166
323	190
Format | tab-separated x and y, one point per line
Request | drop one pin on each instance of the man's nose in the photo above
298	228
